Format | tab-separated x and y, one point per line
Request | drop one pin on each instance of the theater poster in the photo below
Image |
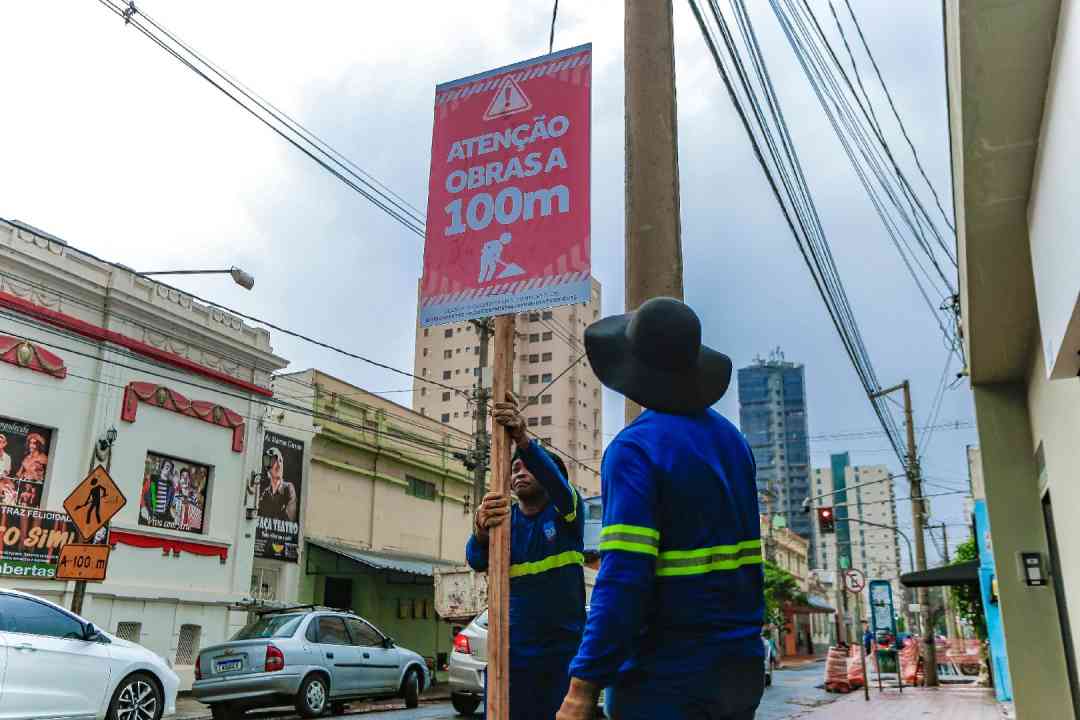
174	494
277	535
24	461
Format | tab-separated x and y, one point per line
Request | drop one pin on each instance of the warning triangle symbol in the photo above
509	99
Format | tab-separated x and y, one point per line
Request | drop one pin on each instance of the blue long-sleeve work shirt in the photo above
547	583
680	586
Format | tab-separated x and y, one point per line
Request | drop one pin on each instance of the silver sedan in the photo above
314	659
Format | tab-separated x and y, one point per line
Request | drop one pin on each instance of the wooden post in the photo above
498	681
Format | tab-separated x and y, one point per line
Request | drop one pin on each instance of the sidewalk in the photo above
795	662
952	703
188	708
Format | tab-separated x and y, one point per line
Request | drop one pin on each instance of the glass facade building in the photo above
772	415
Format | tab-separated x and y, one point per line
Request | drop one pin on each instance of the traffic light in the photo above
826	520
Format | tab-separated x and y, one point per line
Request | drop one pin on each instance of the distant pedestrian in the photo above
867	637
675	620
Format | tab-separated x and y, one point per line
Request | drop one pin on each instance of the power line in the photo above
810	242
273	403
283	125
896	113
845	124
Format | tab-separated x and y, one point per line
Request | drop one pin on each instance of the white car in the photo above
55	664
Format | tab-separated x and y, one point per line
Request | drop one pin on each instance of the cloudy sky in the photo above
114	146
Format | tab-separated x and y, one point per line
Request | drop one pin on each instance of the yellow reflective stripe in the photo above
570	557
628	547
572	515
620	529
710	551
709	567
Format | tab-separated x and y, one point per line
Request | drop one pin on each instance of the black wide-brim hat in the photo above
654	356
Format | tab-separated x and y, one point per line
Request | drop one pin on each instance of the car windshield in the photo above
269	626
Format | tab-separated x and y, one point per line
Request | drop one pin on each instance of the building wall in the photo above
1012	96
365	452
400	605
204	355
569	415
772	415
790	550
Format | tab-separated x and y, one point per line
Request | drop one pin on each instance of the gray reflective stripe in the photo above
630	538
714	557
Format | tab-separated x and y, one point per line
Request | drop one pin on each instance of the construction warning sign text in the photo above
508	204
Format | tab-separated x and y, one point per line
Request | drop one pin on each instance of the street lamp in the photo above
241	278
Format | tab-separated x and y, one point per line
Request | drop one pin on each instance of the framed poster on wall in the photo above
277	534
24	460
174	493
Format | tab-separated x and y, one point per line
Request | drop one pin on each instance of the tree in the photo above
967	599
780	587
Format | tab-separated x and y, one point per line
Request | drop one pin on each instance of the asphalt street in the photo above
793	692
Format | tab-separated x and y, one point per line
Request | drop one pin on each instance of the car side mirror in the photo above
92	634
388	642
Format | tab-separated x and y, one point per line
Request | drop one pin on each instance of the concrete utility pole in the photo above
481	395
653	245
918	519
770	540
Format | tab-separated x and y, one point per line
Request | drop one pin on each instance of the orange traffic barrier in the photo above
909	660
836	671
856	678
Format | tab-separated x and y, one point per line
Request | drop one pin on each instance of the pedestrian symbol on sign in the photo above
509	99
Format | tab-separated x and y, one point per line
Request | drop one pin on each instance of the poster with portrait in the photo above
277	535
174	493
24	460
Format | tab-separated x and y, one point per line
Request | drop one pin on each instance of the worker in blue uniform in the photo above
674	627
547	582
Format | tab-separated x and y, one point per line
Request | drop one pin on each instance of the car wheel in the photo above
411	689
137	698
313	696
464	704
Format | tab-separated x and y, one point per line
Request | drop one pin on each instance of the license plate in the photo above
224	666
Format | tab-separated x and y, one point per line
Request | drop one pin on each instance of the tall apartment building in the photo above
772	415
873	550
567	417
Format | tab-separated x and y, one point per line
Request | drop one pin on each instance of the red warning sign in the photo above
508	197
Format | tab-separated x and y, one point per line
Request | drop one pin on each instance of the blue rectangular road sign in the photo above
882	613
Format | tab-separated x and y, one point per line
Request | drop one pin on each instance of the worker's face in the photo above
522	482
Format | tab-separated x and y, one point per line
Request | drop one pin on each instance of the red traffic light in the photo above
826	521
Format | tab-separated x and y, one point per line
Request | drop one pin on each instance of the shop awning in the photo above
966	573
424	567
812	606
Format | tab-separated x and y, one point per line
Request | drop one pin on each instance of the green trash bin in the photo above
887	661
